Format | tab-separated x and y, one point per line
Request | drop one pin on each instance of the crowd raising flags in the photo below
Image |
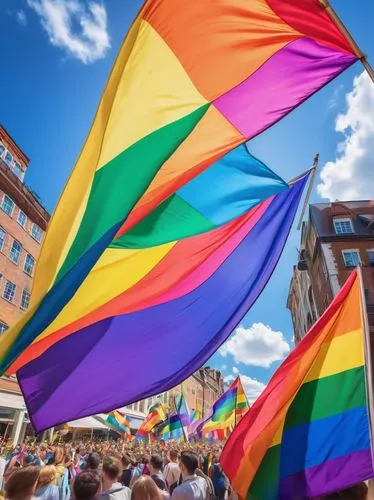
308	434
188	211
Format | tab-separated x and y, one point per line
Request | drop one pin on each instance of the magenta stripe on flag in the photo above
288	78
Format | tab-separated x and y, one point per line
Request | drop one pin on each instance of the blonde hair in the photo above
48	475
145	488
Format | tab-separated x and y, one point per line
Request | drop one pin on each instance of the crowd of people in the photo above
110	470
118	470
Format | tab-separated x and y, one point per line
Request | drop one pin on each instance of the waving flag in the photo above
226	412
169	112
172	428
118	422
170	305
308	433
155	416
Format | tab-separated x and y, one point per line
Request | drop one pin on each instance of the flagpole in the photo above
368	363
356	49
310	188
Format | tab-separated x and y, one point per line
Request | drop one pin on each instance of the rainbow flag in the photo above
166	152
155	416
118	422
172	428
231	405
197	414
308	434
173	308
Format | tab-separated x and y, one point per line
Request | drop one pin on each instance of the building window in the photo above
8	158
2	149
351	258
29	264
22	218
25	299
343	226
3	327
17	169
36	232
370	255
7	205
2	238
9	291
15	251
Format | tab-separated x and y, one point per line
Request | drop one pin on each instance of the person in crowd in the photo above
59	463
112	489
145	469
193	487
87	486
21	484
155	466
126	475
172	472
219	479
210	495
145	488
46	488
92	462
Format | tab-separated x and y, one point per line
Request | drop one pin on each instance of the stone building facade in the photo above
336	238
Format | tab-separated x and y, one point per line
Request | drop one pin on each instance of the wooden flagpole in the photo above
356	49
368	360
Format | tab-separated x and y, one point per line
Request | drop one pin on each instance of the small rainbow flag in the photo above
118	422
308	433
231	405
155	416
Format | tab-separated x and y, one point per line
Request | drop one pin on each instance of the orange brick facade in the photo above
19	230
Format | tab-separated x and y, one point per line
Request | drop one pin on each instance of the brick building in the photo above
23	222
336	238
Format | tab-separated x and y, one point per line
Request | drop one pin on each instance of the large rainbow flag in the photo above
226	412
162	163
308	434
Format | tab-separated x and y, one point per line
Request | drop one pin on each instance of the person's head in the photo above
92	461
188	463
87	485
21	484
48	475
173	454
145	488
112	468
126	460
155	464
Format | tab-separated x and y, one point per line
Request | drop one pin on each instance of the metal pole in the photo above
310	187
368	360
356	49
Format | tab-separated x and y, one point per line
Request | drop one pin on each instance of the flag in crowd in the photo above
308	434
168	227
232	405
118	422
172	428
156	415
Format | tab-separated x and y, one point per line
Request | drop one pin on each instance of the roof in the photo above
322	214
15	146
87	423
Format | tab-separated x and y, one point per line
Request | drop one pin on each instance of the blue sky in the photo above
52	80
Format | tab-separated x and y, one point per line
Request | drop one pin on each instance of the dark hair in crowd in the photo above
173	455
189	460
22	483
156	462
87	485
112	467
93	461
126	460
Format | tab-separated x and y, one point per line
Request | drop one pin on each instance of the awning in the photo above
87	423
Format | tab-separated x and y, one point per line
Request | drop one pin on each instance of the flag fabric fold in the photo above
171	304
156	415
308	434
167	114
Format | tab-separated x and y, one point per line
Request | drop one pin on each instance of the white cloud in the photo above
58	17
21	17
258	345
251	386
223	368
351	175
235	370
334	100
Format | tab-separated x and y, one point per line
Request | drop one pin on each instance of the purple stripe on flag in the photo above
289	77
329	477
133	356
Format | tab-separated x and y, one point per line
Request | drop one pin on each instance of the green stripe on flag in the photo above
265	483
119	185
